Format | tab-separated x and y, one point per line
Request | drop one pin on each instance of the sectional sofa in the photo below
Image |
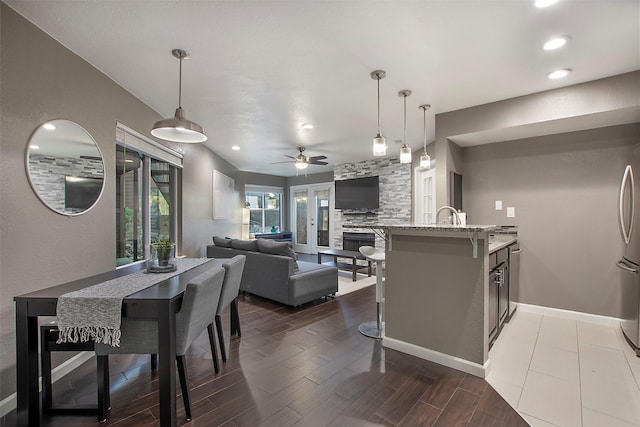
271	271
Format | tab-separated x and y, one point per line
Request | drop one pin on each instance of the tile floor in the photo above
562	372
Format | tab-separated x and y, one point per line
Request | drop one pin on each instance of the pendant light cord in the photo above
425	107
379	106
405	119
180	85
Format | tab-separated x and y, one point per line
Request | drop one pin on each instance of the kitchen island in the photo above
437	292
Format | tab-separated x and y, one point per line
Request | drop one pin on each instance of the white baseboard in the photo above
568	314
9	403
440	358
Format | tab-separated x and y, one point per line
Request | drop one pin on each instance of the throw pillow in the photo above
222	241
269	246
245	245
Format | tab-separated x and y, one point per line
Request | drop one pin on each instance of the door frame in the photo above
311	247
418	206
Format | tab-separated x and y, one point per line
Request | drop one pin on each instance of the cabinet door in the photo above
494	286
503	292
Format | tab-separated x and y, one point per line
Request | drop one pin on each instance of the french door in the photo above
425	193
311	216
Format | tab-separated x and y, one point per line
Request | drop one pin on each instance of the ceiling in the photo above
259	69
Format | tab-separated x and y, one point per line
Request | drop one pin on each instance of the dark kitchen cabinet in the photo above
498	292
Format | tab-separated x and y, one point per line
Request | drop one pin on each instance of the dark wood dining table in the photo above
160	301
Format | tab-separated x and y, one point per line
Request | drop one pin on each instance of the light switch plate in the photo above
511	212
498	205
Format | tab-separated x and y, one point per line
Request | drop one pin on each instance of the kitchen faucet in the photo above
456	220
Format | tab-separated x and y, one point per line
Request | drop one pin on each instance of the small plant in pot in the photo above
165	250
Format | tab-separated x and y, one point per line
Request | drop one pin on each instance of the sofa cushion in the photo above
222	241
269	246
245	245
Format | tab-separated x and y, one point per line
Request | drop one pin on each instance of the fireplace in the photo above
351	241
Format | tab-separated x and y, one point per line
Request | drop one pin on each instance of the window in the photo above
146	194
265	212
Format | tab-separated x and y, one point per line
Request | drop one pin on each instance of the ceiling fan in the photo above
302	162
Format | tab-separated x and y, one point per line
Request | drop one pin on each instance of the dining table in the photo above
160	301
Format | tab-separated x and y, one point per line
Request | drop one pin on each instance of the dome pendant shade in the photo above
178	128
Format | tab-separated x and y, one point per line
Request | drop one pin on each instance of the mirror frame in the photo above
28	151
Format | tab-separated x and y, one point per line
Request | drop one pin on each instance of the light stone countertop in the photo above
499	241
428	227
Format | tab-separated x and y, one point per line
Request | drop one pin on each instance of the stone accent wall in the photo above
395	195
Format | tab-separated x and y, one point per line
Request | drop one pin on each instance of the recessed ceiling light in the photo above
235	147
558	74
545	3
306	126
49	126
555	43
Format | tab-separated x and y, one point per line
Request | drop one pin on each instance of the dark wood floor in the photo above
309	367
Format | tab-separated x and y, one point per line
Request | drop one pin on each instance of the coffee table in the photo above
353	255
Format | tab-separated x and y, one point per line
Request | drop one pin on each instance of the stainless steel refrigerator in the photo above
629	265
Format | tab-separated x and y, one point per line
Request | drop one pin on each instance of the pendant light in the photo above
379	143
425	160
405	150
178	128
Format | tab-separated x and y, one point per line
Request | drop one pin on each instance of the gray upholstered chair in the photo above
140	336
229	296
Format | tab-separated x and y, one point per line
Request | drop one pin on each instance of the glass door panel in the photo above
321	200
129	202
301	214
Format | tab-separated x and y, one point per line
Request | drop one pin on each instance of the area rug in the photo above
347	285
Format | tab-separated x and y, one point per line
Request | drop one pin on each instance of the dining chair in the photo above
140	336
229	296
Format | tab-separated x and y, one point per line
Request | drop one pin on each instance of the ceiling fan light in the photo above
301	165
405	154
379	146
425	161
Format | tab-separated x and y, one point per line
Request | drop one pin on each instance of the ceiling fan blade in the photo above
286	161
317	162
291	157
314	158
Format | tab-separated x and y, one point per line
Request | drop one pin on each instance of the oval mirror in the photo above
65	167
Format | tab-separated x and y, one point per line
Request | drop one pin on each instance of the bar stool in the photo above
48	343
375	328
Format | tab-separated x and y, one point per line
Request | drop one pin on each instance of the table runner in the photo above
94	313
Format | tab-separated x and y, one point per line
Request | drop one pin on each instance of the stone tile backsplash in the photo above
395	195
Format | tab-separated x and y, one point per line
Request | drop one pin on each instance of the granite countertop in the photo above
427	227
499	241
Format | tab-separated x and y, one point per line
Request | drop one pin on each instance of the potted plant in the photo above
165	251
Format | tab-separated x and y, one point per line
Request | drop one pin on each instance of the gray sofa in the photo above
279	277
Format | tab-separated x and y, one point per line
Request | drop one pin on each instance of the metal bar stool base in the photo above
371	329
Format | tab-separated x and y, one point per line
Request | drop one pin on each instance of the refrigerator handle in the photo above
623	266
628	176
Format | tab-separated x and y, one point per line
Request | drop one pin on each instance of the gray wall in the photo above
565	192
41	80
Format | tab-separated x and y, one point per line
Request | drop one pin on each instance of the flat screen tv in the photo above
81	192
358	193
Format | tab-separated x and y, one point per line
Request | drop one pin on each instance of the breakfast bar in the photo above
437	292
